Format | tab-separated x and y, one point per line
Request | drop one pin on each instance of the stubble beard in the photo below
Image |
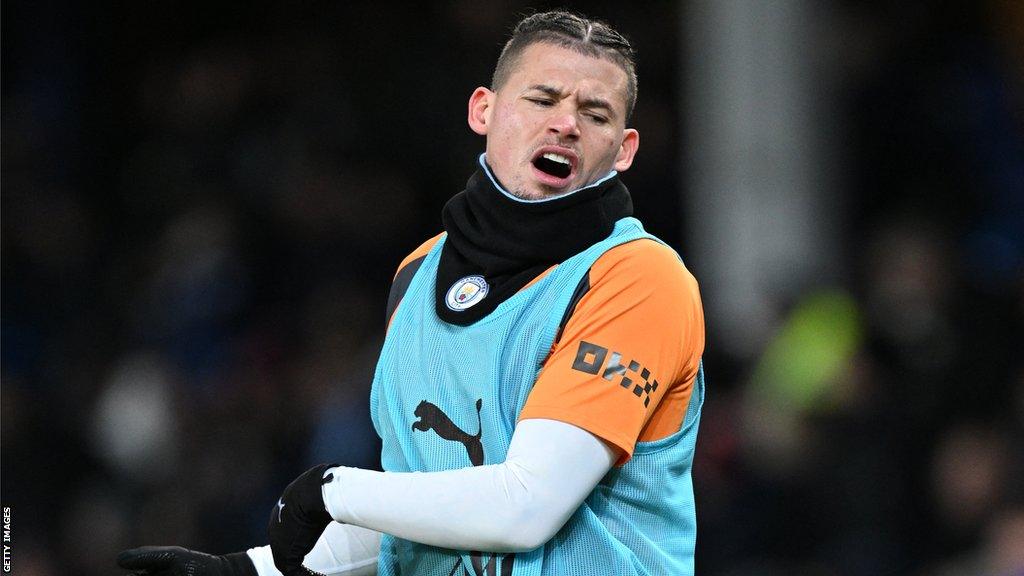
527	194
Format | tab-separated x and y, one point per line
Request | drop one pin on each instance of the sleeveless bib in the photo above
447	397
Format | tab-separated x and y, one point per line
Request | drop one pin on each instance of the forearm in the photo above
477	508
517	505
342	550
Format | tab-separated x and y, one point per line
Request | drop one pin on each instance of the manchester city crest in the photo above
466	292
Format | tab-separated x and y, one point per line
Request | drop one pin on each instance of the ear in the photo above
480	104
627	150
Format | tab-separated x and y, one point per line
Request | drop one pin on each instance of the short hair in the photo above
572	31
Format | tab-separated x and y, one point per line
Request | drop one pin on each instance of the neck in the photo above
509	241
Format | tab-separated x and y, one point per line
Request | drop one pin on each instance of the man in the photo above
539	388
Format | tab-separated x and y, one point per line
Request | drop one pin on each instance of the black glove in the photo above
178	561
298	520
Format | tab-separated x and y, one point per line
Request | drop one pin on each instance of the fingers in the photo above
148	557
291	538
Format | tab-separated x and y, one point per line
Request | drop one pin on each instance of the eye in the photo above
544	102
597	119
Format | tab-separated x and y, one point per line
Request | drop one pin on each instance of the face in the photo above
557	124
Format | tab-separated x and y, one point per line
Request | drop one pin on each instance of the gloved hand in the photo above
298	520
178	561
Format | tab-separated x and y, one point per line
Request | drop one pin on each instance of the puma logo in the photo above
433	418
430	417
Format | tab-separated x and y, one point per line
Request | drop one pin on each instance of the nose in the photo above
564	124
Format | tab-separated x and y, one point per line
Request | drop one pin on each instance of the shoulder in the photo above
403	276
418	253
636	289
645	266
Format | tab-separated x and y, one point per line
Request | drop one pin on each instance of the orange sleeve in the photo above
625	364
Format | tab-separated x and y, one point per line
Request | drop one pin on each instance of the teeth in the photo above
557	158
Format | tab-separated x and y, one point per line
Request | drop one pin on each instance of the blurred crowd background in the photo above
203	204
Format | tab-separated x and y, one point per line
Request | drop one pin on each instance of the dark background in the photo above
203	205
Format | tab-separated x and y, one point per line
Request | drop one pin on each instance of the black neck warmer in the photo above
509	242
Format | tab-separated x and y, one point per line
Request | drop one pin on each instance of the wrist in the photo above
331	493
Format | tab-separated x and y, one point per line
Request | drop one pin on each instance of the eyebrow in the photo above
589	103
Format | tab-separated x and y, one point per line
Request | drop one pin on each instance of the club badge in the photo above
466	292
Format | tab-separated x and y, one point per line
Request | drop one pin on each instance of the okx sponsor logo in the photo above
591	358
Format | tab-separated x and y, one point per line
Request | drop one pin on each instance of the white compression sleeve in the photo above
514	506
342	550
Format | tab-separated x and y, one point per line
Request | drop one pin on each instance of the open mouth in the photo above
554	164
